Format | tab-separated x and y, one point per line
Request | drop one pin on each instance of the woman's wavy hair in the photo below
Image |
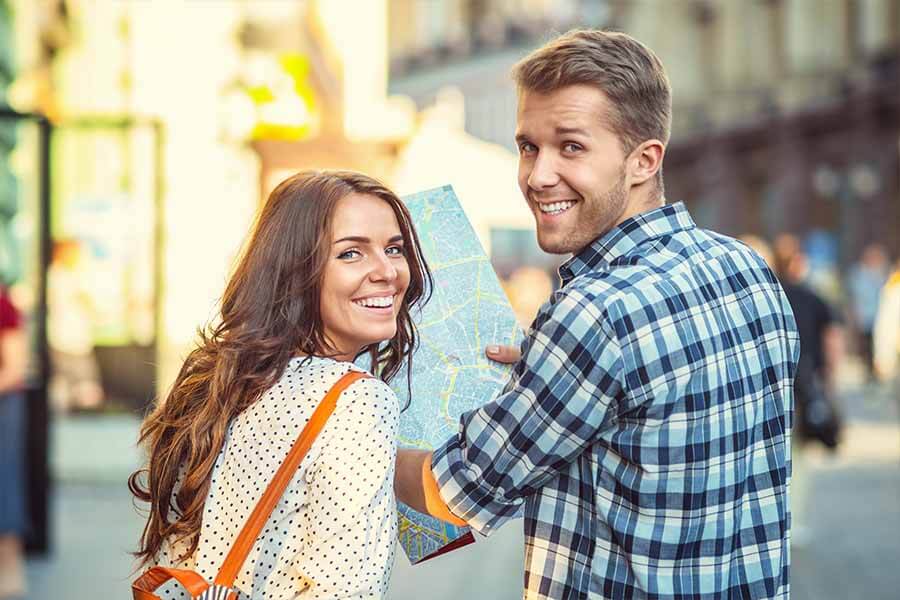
269	314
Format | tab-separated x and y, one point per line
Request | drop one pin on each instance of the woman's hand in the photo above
415	486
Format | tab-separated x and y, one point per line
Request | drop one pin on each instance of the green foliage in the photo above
10	256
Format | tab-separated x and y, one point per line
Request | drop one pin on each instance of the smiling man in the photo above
645	430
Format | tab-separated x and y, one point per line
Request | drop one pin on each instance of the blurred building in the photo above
171	121
786	112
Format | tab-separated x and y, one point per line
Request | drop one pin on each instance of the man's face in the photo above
571	166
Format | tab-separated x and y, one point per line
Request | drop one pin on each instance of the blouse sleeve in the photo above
351	511
9	315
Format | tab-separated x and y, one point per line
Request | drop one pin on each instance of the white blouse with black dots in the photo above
333	533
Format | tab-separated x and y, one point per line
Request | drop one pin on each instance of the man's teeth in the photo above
376	302
556	207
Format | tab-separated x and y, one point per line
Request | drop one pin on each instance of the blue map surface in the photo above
468	310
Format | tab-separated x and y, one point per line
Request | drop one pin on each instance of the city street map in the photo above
468	310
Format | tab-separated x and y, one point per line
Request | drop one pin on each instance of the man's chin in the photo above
554	246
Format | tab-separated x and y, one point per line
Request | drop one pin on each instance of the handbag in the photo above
818	415
221	587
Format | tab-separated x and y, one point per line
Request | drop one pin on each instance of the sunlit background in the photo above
138	138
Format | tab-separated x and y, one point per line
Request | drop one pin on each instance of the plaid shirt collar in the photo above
625	237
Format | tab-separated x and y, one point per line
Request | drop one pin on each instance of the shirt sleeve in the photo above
351	512
557	402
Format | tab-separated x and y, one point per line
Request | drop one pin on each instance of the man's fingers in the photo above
503	354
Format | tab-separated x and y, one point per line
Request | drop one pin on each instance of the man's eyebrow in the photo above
571	130
364	240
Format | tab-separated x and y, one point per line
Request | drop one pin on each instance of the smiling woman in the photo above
366	276
329	274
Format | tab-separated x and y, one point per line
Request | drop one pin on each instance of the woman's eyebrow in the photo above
364	240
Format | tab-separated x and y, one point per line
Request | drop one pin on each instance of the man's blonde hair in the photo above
627	72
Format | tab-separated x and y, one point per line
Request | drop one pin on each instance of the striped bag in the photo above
221	588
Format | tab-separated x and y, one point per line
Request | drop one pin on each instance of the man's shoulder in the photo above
655	260
663	267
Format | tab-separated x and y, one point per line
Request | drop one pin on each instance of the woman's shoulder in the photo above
304	383
369	396
317	375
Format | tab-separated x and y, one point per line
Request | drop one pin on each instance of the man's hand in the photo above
509	355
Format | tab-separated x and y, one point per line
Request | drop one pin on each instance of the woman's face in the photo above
366	275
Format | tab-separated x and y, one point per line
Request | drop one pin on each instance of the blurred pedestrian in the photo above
527	289
886	333
866	279
821	346
13	521
75	374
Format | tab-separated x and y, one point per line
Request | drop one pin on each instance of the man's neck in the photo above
640	204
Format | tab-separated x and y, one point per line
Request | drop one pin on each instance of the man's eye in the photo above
526	147
349	254
571	147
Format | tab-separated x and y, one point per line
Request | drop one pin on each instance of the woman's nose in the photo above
383	269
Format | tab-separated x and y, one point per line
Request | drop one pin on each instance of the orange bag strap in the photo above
146	584
245	540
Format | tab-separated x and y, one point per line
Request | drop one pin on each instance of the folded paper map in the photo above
468	310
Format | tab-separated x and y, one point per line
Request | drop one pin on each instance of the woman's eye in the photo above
349	254
395	251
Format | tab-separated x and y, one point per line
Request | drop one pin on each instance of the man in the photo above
645	430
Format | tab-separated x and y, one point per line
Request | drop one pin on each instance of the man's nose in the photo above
543	173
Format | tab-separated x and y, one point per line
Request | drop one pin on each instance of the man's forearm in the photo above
415	486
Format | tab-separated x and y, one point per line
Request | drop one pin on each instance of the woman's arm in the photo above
415	485
351	514
13	359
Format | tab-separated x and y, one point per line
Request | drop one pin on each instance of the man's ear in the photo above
646	160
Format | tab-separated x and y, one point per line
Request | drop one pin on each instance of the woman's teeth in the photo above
556	207
376	302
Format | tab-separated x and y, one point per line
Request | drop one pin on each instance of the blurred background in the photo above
138	138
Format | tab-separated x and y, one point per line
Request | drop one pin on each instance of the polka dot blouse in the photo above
333	533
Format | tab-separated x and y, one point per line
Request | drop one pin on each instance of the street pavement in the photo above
852	553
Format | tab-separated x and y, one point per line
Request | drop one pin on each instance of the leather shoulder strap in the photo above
143	588
245	540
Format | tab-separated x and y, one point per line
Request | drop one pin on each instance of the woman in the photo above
329	275
13	361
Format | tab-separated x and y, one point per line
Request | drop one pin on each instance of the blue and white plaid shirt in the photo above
646	429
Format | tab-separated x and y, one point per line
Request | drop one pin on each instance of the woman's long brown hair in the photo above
269	314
